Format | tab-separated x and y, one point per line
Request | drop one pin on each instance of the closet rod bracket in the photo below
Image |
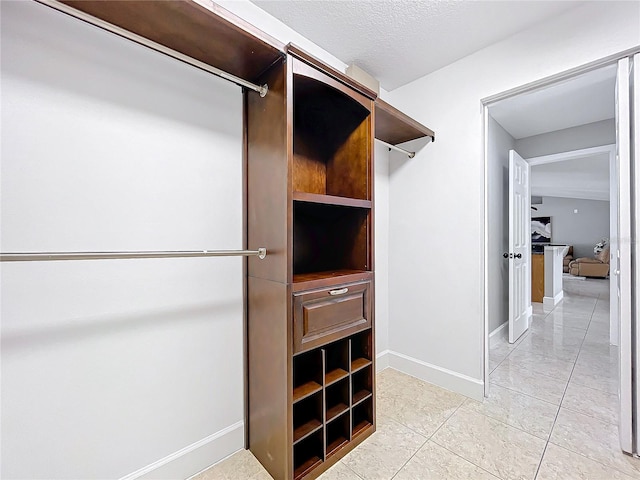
398	149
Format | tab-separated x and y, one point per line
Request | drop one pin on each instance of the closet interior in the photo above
309	198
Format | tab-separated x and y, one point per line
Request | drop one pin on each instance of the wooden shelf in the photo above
335	375
336	445
313	276
297	52
305	390
359	364
306	467
360	427
359	396
393	126
330	200
336	411
306	429
210	34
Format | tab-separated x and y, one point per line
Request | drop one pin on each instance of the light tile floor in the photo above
551	413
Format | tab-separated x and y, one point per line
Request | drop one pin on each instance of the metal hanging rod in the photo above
393	147
61	7
53	256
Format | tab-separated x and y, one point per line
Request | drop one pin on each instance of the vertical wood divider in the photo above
324	405
350	393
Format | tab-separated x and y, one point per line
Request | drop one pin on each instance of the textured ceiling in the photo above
585	99
401	40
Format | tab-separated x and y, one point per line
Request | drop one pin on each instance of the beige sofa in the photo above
591	267
567	260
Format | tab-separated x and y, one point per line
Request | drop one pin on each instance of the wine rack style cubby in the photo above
341	408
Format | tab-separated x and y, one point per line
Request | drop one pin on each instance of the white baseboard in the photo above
382	360
551	302
194	458
454	381
498	333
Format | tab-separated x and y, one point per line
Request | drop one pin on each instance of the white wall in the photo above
583	229
381	226
109	367
575	138
499	144
436	200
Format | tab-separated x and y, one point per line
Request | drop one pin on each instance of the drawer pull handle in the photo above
338	292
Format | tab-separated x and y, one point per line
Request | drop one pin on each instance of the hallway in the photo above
565	374
551	414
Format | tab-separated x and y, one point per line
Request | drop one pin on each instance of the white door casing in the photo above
610	151
635	225
614	313
520	309
623	255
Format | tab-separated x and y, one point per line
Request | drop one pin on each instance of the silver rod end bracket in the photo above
411	154
264	89
262	252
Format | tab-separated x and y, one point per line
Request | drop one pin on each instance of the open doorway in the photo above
544	126
564	367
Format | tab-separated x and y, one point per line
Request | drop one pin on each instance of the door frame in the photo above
485	103
609	150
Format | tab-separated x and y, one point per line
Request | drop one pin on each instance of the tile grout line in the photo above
427	438
544	451
348	468
513	426
610	467
467	460
581	413
487	416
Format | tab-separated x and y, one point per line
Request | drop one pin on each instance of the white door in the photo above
519	247
623	255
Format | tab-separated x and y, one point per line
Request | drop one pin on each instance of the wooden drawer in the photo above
324	315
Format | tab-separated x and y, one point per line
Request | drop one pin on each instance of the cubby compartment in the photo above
361	385
307	454
336	361
362	416
331	141
307	417
337	399
361	351
307	374
338	433
330	238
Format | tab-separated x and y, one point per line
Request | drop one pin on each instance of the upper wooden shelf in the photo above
299	53
331	200
201	30
394	127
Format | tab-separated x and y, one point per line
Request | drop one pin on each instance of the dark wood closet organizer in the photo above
309	199
310	302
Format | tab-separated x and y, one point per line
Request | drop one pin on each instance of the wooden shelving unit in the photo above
394	127
310	312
